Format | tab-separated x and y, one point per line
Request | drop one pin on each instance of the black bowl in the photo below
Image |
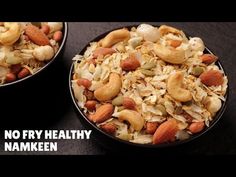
29	78
114	143
30	102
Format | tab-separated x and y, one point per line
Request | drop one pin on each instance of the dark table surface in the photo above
48	104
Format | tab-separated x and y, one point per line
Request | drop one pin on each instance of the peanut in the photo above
57	36
130	63
15	69
165	132
129	103
115	37
174	88
10	77
109	128
91	105
89	94
208	58
151	127
23	73
84	82
45	29
109	90
134	118
103	51
196	127
212	78
102	114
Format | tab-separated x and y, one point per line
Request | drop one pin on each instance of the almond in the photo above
91	105
102	113
212	78
102	51
130	64
84	82
196	127
129	103
151	127
23	73
36	35
165	132
208	58
109	128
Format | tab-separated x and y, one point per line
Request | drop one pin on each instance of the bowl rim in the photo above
217	117
65	35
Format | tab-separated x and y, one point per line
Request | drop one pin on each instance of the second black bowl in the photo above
115	143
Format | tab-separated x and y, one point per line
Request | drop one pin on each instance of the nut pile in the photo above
149	85
25	47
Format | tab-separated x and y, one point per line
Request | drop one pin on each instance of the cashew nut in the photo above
12	34
170	55
109	90
115	37
213	104
164	29
174	88
134	118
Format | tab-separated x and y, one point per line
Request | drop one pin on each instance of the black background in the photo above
45	103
